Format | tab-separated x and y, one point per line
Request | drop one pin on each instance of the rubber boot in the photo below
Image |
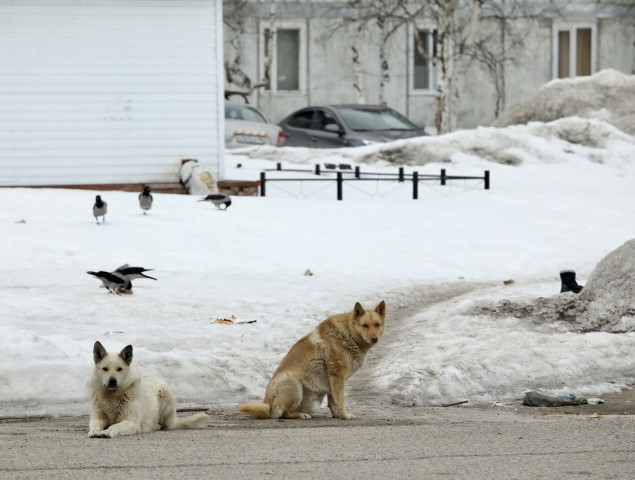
567	277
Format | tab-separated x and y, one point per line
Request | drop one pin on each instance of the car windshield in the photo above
243	112
359	120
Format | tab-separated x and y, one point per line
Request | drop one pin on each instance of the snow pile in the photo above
608	96
606	304
549	142
610	292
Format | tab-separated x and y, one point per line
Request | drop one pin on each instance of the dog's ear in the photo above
126	354
381	308
99	352
358	311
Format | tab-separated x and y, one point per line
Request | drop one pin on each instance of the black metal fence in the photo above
355	174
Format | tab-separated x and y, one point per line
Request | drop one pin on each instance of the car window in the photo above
365	120
240	112
324	118
302	119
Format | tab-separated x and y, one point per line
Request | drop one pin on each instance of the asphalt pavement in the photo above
386	442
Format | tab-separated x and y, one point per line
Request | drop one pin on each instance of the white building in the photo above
109	92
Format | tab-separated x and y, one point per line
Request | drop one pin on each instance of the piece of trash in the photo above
112	332
21	221
224	321
595	416
232	321
308	273
594	401
454	403
508	282
570	395
535	399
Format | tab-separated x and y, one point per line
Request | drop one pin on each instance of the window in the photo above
287	65
324	118
303	119
423	77
240	112
574	50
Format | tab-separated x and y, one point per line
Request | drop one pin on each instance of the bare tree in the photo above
363	15
450	23
388	23
358	73
235	19
462	39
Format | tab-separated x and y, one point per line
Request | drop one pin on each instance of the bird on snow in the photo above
100	208
145	199
218	199
113	282
130	273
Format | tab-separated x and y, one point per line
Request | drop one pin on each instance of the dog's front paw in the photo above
342	416
98	434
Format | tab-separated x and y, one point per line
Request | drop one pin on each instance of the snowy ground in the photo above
563	204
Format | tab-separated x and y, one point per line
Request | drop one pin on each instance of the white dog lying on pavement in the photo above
125	404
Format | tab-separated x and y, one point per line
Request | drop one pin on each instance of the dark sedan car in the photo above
333	126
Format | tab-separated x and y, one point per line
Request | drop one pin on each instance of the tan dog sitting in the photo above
319	364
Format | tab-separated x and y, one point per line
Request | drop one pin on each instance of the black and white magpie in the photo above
112	281
218	199
145	199
100	208
133	272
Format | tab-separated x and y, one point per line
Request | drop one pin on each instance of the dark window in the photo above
324	118
424	52
286	51
574	52
302	119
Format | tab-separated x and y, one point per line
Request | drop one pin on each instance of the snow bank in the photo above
551	142
608	96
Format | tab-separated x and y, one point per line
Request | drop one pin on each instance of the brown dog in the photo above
319	364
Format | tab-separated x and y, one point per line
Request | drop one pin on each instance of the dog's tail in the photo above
198	420
256	409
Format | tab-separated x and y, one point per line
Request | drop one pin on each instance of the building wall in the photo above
330	70
109	92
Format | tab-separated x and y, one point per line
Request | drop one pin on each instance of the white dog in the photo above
125	404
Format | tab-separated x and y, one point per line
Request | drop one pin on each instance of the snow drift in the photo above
608	95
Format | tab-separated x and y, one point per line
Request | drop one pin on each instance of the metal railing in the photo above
357	175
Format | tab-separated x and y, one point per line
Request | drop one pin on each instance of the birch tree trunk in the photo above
234	72
384	78
358	73
446	18
271	43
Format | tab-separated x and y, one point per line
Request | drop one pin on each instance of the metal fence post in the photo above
339	185
415	185
357	171
317	168
262	184
401	174
278	166
486	179
443	176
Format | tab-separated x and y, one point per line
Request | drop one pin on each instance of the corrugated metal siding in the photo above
108	91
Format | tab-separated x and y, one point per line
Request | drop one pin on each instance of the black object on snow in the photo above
567	277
